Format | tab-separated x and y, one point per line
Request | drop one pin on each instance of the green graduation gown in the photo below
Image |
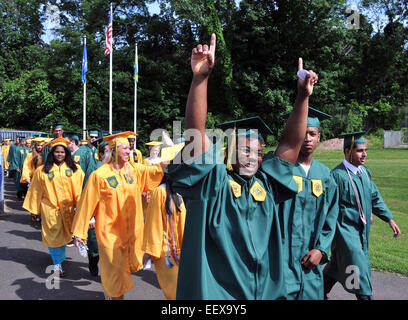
85	158
12	156
350	243
308	222
232	243
19	157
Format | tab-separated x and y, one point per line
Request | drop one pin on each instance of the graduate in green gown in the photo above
309	218
93	135
232	244
12	157
57	131
85	158
359	198
19	156
82	156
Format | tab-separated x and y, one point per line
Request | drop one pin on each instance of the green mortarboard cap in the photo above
21	137
348	138
249	124
99	144
94	131
73	135
313	118
57	126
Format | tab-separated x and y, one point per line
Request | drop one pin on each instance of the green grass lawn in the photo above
389	168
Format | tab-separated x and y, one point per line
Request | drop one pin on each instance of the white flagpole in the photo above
84	109
135	95
110	78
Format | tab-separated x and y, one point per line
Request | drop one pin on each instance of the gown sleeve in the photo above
326	236
153	228
86	207
379	207
28	169
281	172
35	193
190	178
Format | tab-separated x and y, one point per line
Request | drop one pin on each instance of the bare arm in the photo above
202	63
295	129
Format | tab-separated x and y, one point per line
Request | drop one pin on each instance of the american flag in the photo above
108	40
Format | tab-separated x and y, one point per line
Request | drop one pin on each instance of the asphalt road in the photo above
24	262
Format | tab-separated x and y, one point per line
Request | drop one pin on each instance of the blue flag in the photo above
84	65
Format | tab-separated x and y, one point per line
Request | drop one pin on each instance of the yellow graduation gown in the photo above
5	151
55	196
29	168
117	207
146	195
158	239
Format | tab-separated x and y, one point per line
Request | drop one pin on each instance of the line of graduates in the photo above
257	226
105	213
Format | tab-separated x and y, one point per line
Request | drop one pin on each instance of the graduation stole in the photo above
170	264
360	209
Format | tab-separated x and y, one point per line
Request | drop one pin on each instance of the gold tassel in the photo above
231	150
116	152
350	156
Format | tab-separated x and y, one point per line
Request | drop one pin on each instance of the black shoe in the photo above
93	265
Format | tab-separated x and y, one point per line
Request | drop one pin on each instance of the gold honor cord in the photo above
350	156
231	150
116	152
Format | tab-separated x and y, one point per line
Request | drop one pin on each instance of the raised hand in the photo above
305	87
203	58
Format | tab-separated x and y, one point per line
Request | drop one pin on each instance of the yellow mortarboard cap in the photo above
39	140
154	143
132	135
117	138
169	153
58	142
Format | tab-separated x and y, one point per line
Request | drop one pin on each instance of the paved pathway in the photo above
24	262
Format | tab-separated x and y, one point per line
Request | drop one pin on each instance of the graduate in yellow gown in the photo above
113	195
5	150
152	159
163	235
54	193
33	160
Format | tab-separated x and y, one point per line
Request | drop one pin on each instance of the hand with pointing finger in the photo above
203	58
305	86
